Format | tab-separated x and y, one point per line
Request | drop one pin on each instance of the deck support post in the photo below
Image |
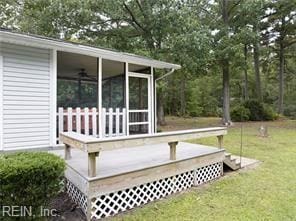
220	141
67	152
222	165
92	164
88	209
173	151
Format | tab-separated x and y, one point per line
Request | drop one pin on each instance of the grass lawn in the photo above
267	192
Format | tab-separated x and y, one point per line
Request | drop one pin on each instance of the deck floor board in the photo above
115	162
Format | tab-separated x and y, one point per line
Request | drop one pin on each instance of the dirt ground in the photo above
66	209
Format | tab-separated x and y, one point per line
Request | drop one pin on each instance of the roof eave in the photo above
16	38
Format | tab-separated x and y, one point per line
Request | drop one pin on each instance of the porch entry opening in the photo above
139	105
113	103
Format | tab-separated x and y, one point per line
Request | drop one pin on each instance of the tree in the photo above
163	30
249	26
9	10
225	46
282	24
208	39
256	55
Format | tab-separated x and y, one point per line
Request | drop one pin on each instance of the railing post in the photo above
220	141
173	150
110	121
94	121
69	121
61	121
86	121
92	164
78	120
117	121
103	122
67	152
123	121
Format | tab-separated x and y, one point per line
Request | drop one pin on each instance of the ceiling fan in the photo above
82	75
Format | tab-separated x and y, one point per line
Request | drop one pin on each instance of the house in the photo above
41	76
101	103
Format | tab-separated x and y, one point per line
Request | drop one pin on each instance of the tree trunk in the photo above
246	84
182	96
225	69
281	80
257	69
160	109
281	68
226	94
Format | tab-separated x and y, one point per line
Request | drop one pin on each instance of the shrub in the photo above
290	111
256	110
195	112
240	113
253	110
269	113
30	179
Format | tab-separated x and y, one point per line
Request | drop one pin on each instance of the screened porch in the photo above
103	98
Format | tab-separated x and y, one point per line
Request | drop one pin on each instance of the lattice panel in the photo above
113	203
207	173
76	195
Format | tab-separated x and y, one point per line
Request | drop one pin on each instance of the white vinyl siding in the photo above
1	98
26	96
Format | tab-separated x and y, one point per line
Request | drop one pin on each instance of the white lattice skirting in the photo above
76	195
116	202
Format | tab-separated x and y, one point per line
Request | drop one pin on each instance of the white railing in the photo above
113	122
85	121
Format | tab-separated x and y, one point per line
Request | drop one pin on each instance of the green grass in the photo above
267	192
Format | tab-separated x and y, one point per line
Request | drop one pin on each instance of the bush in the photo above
253	110
240	113
260	111
30	179
290	111
269	113
256	110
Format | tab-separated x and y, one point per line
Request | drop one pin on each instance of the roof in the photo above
9	36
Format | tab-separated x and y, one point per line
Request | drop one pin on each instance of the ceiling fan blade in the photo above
91	78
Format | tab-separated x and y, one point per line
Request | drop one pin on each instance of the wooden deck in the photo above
130	177
107	176
94	146
120	161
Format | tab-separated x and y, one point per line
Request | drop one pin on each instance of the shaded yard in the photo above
267	192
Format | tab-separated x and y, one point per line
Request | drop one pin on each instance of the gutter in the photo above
155	96
165	75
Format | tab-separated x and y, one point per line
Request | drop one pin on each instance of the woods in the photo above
230	51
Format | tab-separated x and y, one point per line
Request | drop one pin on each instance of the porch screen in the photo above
113	92
70	95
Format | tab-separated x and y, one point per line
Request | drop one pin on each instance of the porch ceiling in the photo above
70	64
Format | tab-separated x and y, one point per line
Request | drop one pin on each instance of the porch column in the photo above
53	97
99	123
127	98
152	103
